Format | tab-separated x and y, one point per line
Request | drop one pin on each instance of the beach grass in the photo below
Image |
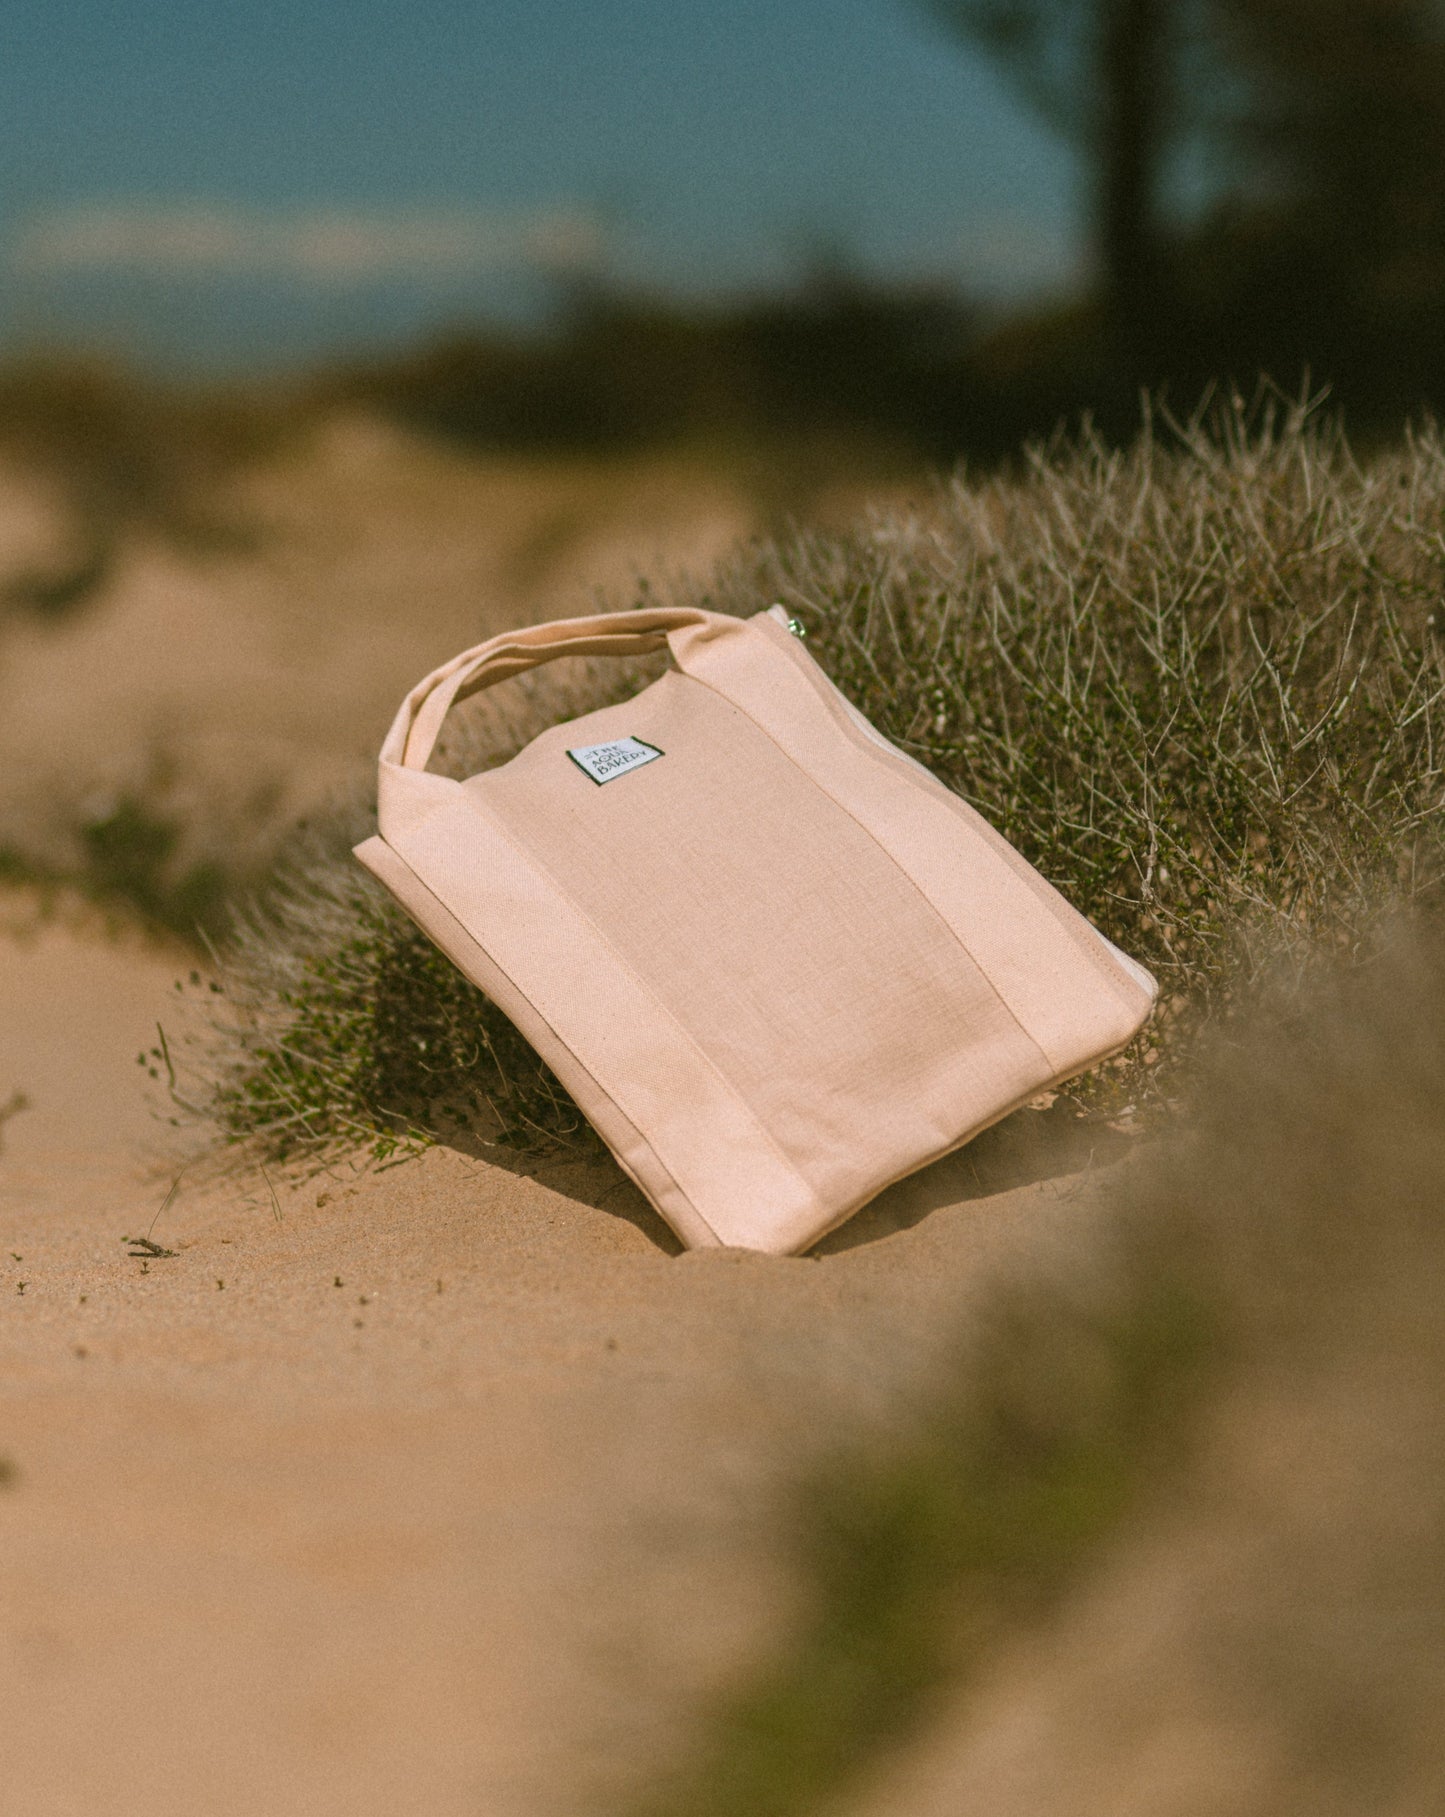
1199	682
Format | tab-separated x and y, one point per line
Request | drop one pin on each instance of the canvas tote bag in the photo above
777	964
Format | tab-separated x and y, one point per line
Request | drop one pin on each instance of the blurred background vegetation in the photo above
1321	252
1263	190
1260	187
1320	255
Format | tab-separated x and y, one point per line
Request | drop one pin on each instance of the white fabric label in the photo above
606	762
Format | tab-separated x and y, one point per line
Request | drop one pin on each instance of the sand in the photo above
447	1488
450	1488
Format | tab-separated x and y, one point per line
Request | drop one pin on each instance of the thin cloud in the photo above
329	248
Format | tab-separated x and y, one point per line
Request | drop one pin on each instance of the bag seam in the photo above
834	699
894	860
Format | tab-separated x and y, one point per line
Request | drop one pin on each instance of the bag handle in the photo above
418	723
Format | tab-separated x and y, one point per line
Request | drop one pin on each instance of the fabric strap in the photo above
414	731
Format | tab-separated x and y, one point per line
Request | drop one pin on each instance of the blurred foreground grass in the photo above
916	1562
1199	683
1173	1537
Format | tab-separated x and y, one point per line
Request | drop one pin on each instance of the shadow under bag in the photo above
775	962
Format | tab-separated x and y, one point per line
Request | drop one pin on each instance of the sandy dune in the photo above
447	1489
458	1493
236	686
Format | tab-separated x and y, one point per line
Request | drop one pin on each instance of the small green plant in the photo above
12	1107
132	855
339	1023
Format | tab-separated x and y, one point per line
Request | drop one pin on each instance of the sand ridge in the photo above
239	685
447	1488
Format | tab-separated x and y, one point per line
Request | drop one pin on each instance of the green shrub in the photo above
340	1022
132	855
1199	683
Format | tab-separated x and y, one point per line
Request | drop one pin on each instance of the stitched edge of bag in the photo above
479	806
1090	943
643	1166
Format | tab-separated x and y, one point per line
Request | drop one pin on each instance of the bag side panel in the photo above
857	725
629	1147
1048	963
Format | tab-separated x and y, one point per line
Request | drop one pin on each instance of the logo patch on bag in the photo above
606	762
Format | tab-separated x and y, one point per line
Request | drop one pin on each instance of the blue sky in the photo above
234	185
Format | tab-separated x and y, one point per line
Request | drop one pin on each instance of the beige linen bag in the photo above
777	964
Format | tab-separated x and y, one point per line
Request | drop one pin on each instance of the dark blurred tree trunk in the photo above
1100	73
1331	116
1340	138
1132	136
1320	126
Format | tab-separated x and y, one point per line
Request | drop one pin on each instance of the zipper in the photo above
787	621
